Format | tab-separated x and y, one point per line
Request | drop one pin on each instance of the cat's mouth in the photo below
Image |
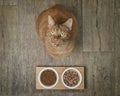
56	41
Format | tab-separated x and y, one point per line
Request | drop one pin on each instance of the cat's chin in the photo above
56	45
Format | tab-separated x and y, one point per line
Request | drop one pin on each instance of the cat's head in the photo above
59	34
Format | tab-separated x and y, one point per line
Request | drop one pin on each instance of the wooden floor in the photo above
97	47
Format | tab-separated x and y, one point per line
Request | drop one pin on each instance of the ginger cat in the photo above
57	27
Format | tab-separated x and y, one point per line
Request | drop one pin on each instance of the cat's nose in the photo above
57	37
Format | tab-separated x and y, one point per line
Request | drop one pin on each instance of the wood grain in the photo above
97	47
8	48
99	74
98	25
29	47
117	52
1	2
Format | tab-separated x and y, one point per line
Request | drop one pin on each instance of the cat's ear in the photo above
69	23
51	22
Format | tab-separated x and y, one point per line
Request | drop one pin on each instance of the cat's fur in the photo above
57	27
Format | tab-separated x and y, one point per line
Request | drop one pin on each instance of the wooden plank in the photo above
30	51
117	46
99	74
98	25
8	48
117	53
105	17
91	41
1	47
60	85
117	31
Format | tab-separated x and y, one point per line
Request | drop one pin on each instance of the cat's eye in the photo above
52	32
62	34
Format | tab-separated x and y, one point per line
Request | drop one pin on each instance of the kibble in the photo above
71	78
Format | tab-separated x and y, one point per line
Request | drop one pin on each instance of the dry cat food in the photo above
71	78
48	77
